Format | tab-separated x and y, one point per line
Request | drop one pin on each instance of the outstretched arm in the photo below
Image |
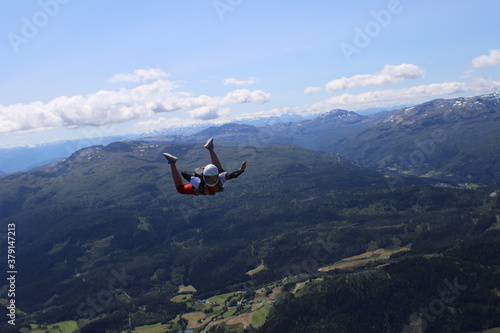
236	173
186	176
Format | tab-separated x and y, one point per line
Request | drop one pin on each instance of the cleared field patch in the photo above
229	313
186	290
256	270
221	299
245	319
259	316
493	330
364	258
299	286
397	226
276	291
64	327
157	328
181	298
195	319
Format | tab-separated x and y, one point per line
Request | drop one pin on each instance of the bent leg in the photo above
215	160
176	175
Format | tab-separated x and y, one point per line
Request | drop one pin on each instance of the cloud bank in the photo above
390	74
391	97
110	107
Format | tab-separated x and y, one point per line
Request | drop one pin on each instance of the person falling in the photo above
204	181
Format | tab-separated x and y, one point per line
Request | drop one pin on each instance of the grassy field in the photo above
362	259
64	327
194	319
182	298
299	286
245	319
187	290
256	270
221	298
259	316
157	328
229	313
493	330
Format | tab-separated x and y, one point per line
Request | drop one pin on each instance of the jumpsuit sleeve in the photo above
234	174
186	176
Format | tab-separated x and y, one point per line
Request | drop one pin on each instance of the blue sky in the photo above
74	68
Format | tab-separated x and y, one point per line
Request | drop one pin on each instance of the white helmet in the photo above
210	170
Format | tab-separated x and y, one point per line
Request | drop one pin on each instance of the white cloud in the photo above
390	74
383	98
493	59
235	82
246	96
111	107
208	112
140	75
312	90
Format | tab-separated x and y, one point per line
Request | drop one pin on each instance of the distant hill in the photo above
330	129
318	133
28	157
455	139
227	134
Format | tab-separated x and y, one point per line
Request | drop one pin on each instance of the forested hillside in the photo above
104	235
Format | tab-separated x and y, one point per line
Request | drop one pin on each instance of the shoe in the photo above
210	144
170	158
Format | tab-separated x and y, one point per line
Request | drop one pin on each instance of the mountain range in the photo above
448	139
24	158
453	140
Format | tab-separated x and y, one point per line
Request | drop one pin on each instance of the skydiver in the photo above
206	182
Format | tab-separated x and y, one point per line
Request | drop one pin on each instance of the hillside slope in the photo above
449	139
